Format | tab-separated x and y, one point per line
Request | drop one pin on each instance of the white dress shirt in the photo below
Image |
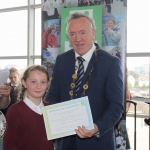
14	85
86	56
35	108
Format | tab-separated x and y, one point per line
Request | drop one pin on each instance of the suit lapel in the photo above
70	68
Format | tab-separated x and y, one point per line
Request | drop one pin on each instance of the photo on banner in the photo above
51	30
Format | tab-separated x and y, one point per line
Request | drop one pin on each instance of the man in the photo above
101	82
15	87
4	95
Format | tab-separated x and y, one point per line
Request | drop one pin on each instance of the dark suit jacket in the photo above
105	95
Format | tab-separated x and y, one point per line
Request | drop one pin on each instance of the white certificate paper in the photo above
63	118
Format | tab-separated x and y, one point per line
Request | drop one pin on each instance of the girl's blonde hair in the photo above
27	73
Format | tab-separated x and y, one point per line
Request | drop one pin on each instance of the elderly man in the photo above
86	70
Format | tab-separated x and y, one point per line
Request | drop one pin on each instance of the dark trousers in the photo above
72	144
108	8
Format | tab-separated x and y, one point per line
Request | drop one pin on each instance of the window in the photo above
38	31
13	33
20	64
138	48
12	3
137	26
138	76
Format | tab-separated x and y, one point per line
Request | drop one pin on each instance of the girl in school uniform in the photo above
25	124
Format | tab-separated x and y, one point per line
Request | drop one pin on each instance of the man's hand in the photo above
82	132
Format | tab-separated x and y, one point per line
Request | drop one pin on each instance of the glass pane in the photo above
38	31
142	133
19	64
13	33
138	76
12	3
137	38
37	61
38	1
142	109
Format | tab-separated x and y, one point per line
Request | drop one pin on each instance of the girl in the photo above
25	129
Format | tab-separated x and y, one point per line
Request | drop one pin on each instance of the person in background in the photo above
15	87
98	76
111	34
25	124
128	96
4	95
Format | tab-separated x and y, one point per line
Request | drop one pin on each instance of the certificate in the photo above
63	118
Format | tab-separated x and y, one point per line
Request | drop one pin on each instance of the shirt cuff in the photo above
97	135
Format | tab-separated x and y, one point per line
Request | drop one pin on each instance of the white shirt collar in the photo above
88	55
31	105
14	84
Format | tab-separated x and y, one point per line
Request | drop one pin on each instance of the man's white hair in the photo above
78	15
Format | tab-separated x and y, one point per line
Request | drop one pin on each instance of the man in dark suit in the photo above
101	82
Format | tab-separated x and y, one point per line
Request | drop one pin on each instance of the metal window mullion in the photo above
145	54
149	105
21	57
31	31
13	9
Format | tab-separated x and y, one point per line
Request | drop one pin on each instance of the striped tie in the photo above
13	94
12	89
80	73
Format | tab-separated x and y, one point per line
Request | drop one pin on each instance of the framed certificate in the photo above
63	118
